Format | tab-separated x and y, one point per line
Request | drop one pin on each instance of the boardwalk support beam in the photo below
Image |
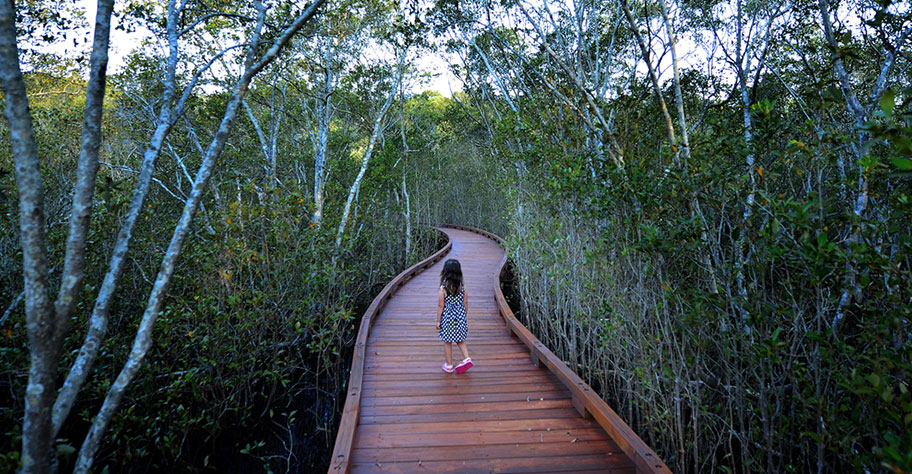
580	406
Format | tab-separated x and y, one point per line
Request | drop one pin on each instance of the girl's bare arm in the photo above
465	298
440	307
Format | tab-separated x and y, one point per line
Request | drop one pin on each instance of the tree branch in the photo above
74	261
143	339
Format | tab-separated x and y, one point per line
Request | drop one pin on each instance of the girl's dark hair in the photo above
451	276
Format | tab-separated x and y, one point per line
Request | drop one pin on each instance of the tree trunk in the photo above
375	135
644	50
74	262
407	215
320	142
143	339
851	288
46	325
39	312
99	319
679	99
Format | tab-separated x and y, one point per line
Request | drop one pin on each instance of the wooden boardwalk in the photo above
507	414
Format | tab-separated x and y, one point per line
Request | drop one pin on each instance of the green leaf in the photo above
888	101
868	162
874	379
904	164
887	394
65	450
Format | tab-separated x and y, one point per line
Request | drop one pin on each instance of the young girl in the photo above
451	316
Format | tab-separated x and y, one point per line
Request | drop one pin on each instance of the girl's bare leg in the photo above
462	347
448	350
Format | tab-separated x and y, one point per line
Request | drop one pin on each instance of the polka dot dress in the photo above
453	324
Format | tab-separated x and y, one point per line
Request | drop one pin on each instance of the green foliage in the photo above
262	310
714	329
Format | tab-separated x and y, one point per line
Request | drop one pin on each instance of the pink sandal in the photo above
464	366
444	368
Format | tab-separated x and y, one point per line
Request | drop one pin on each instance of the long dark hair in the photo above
451	276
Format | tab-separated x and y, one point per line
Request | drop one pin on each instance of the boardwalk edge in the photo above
585	400
340	463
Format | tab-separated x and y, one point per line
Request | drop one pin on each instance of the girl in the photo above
451	316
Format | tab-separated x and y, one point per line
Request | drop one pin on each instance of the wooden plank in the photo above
582	463
489	426
428	408
460	452
468	399
477	438
421	354
464	389
469	416
534	377
391	365
435	369
480	373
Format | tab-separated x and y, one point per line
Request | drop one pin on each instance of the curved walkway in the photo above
504	415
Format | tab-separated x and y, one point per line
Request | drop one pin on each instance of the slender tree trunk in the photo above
694	204
644	50
47	325
576	76
375	135
264	147
99	319
98	322
39	311
495	76
851	287
742	71
11	307
407	216
405	151
143	339
679	99
74	262
321	141
277	116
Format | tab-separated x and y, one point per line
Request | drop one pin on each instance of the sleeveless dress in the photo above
453	324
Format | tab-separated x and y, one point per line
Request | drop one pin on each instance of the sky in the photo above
122	43
692	52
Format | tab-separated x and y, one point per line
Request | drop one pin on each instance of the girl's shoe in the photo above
464	366
447	368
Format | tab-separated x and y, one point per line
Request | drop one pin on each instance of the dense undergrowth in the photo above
742	299
739	365
711	323
250	359
249	363
720	246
